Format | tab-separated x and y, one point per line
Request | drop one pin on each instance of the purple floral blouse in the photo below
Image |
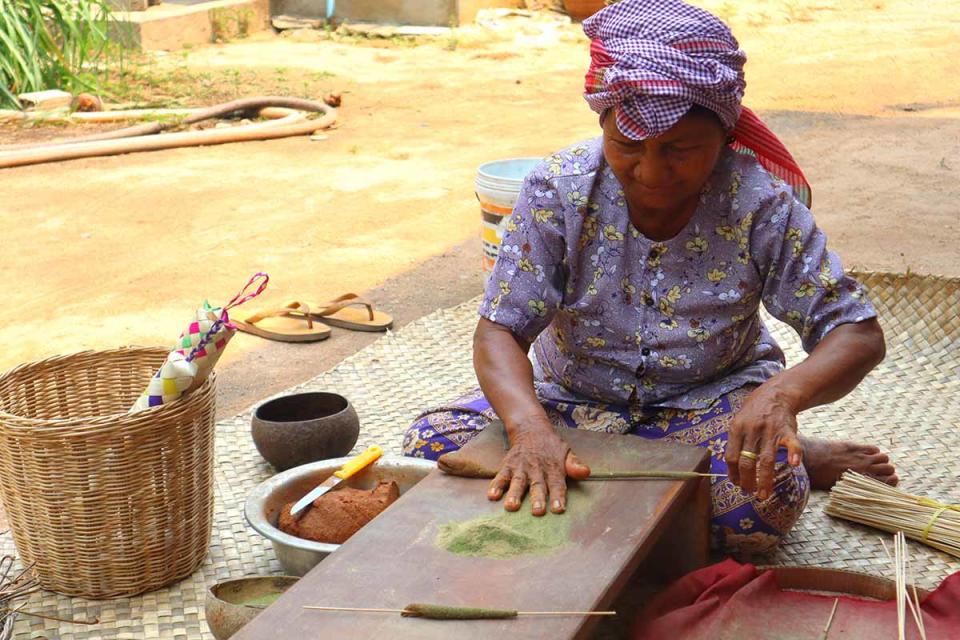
619	318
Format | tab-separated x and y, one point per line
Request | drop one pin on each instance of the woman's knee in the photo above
434	434
747	526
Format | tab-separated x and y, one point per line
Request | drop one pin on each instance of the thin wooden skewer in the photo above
903	565
566	613
901	601
362	609
627	475
901	561
519	613
894	560
46	617
917	611
833	612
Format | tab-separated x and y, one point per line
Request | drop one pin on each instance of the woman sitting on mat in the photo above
635	265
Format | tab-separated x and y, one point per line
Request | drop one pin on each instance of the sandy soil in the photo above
104	252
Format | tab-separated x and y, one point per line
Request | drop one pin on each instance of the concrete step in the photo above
168	26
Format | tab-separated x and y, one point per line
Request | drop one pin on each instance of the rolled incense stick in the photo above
448	612
445	612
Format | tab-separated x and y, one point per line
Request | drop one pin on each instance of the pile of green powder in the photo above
262	601
506	535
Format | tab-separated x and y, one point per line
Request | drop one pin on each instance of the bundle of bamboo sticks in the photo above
862	499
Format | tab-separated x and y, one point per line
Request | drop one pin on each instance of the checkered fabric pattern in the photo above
654	59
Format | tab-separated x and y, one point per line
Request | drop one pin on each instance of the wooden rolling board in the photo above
394	560
602	452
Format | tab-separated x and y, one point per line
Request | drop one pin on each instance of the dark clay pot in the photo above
304	427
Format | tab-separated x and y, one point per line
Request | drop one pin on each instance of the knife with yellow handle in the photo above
355	465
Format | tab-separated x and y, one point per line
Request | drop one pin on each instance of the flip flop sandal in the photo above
340	313
292	323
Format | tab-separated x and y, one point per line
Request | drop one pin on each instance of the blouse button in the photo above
645	351
649	301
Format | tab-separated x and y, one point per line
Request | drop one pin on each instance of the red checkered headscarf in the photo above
654	59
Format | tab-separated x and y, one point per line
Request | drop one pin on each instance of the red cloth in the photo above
733	600
751	135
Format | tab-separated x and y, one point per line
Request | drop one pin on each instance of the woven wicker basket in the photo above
106	503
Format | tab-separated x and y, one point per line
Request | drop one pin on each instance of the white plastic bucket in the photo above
498	184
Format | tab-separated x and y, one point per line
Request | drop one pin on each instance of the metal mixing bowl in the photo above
296	555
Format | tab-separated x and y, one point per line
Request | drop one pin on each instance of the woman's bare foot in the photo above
826	460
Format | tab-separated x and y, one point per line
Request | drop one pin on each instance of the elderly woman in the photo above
635	265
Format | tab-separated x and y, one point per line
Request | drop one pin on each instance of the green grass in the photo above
143	81
51	44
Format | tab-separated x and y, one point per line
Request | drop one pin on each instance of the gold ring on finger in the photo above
748	454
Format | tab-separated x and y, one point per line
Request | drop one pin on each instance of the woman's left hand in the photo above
766	422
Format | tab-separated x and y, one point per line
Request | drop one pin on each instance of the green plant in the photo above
47	44
229	24
453	41
145	80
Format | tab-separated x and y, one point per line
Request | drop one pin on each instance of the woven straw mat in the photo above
910	406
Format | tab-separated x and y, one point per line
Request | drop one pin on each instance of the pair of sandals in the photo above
299	322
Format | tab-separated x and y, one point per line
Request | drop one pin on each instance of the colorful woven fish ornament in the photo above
196	351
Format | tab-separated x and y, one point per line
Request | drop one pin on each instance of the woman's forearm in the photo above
506	377
834	368
538	458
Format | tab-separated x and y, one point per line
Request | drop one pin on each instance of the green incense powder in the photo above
506	535
262	601
447	612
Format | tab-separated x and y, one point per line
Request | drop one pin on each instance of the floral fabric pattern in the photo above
618	318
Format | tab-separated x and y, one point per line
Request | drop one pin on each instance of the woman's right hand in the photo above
538	460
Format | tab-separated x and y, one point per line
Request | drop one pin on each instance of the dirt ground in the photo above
105	252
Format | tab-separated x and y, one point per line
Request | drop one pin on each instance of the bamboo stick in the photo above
833	612
898	567
360	609
640	475
901	562
918	613
446	612
46	617
566	613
